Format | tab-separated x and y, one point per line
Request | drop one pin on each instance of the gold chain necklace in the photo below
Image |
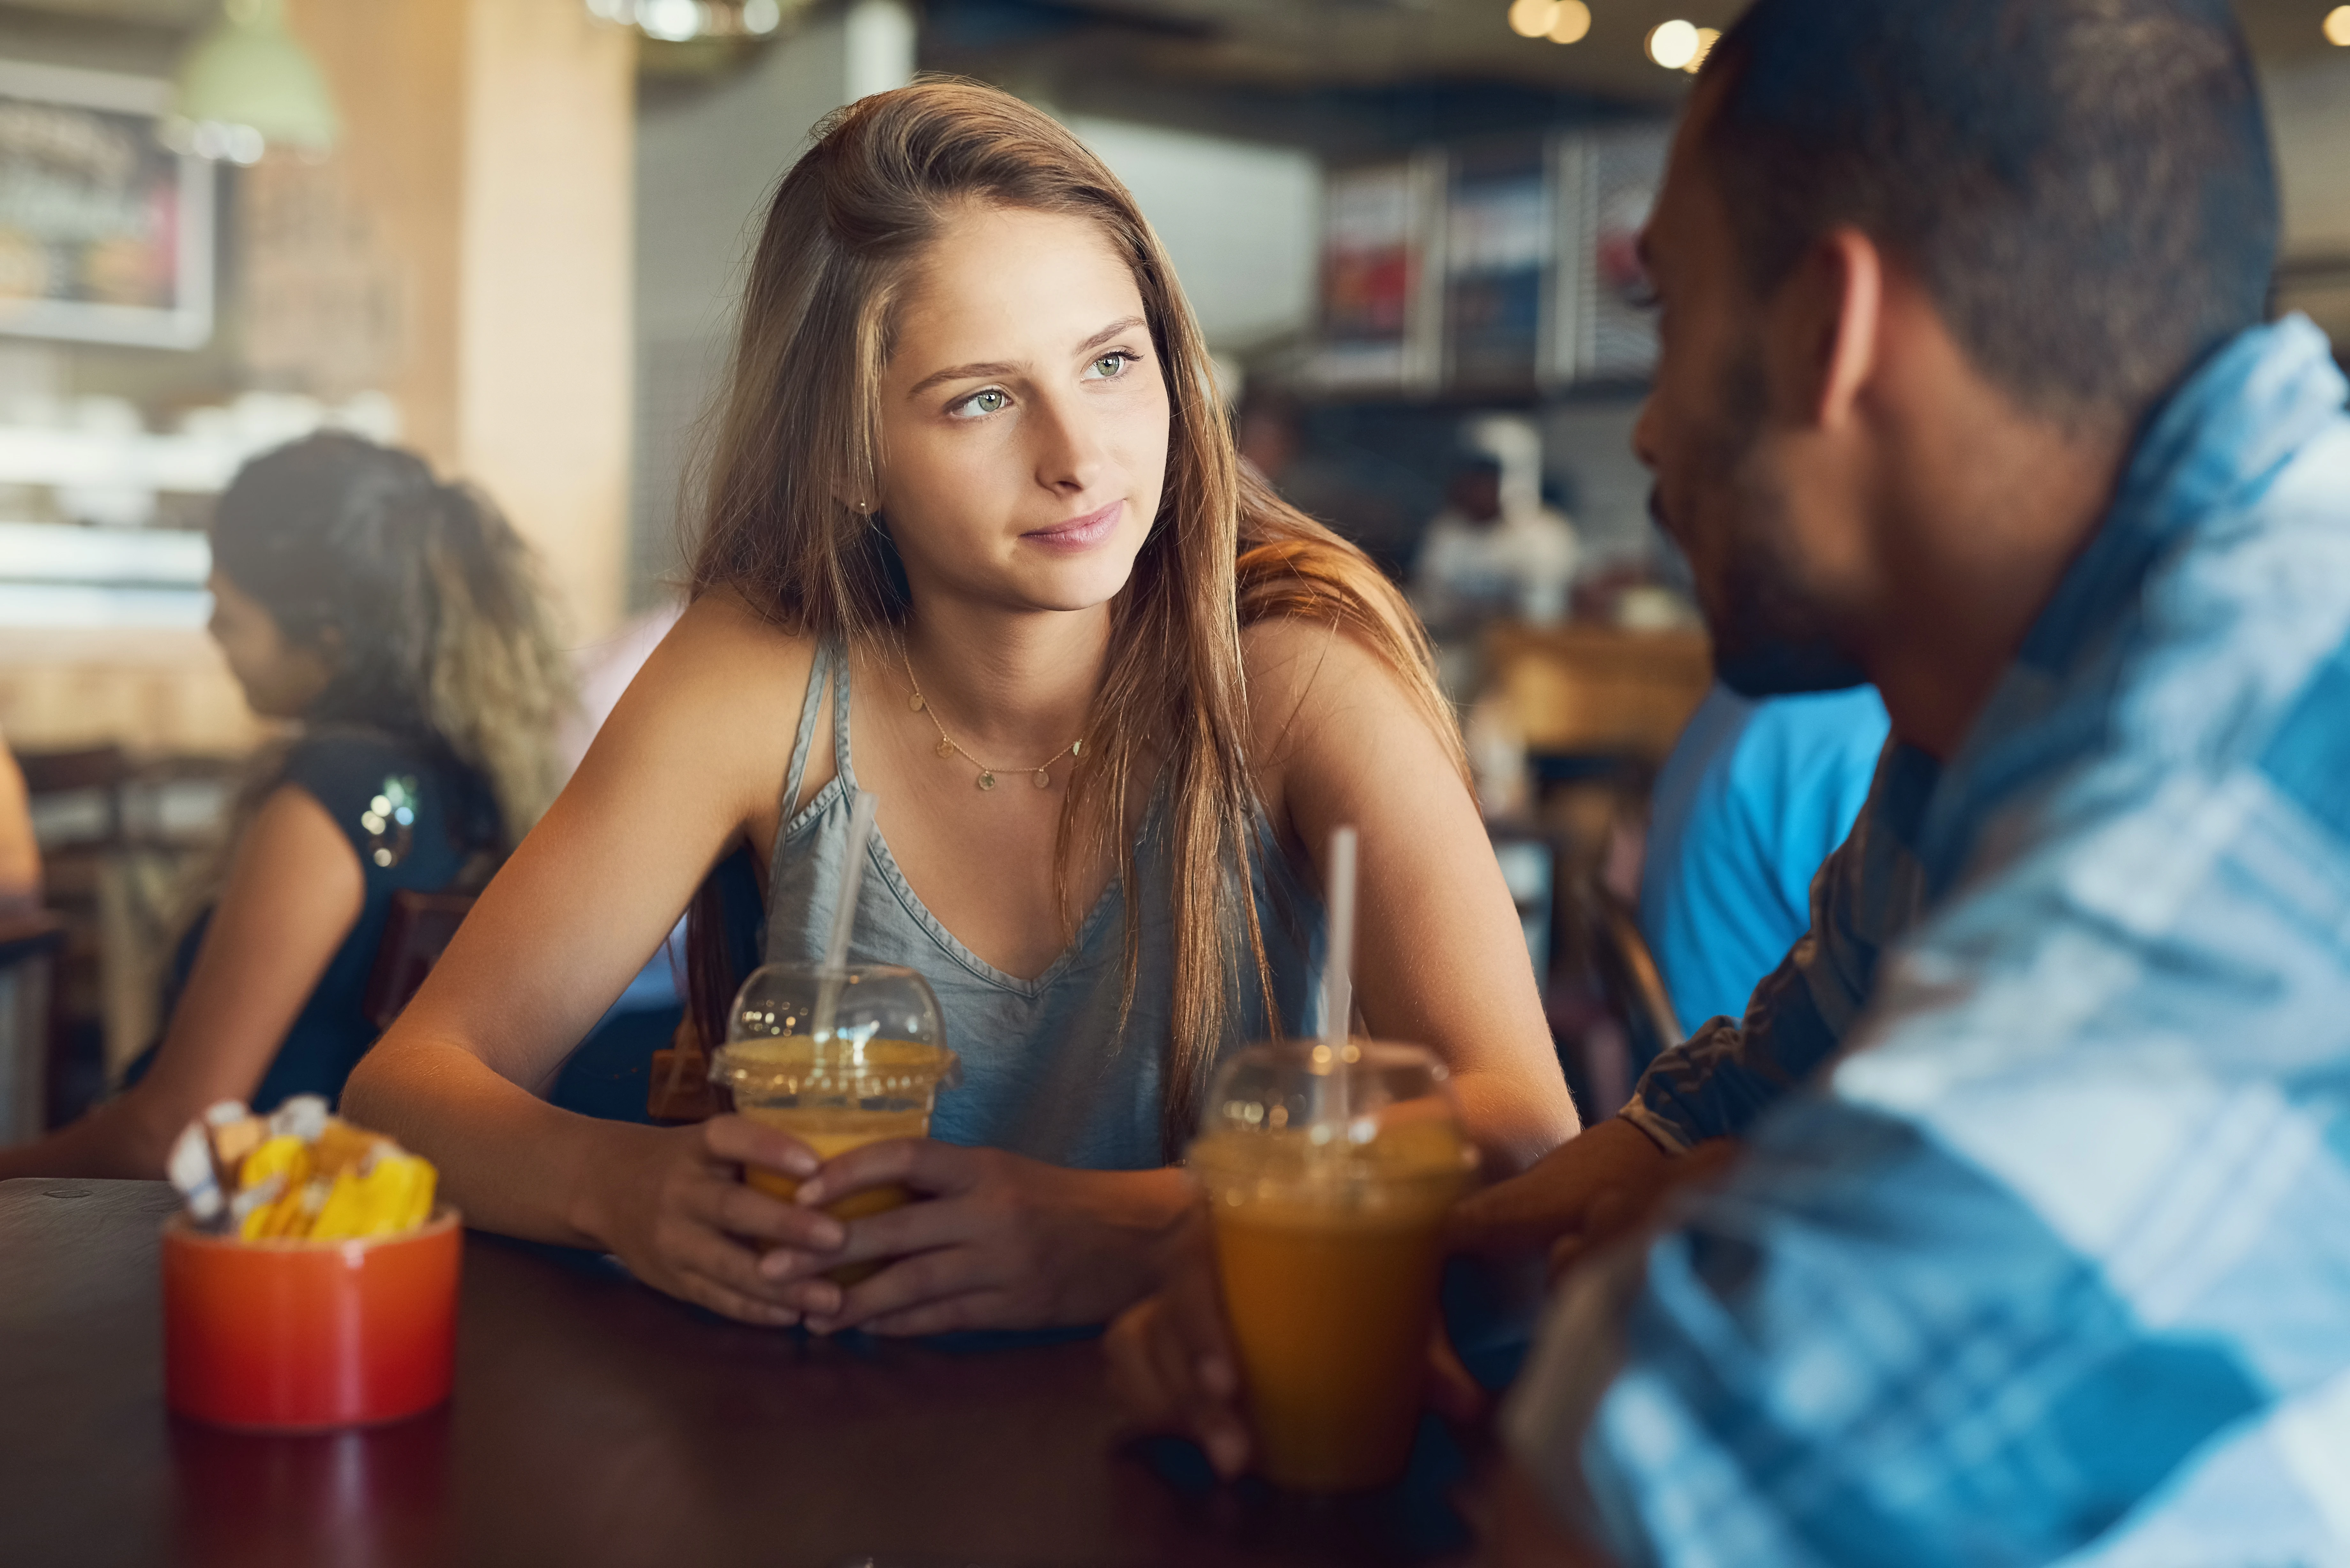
1040	773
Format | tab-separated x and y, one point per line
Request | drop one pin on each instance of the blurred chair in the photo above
1609	1011
418	931
29	943
118	838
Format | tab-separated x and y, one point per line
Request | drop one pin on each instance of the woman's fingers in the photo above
954	1314
741	1210
923	1277
734	1303
728	1271
923	1164
738	1140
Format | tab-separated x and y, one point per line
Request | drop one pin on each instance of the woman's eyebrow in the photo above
1000	368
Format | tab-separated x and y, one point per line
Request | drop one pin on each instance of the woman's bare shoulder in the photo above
715	707
1305	671
724	650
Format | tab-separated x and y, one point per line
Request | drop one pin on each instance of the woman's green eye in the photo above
991	402
1112	364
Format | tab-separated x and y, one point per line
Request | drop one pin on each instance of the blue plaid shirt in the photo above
2041	1249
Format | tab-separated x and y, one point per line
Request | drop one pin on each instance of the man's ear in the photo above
1835	312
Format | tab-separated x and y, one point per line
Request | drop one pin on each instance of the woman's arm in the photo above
293	892
20	853
1439	954
687	767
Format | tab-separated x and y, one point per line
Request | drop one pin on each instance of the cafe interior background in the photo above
508	234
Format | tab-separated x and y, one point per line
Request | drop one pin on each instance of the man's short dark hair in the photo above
2083	187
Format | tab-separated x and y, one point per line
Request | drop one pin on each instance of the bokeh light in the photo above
2337	26
1533	18
1673	45
1574	21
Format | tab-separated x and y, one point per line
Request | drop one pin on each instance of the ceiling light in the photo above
1533	18
1706	39
2337	26
1574	21
1673	45
246	82
671	21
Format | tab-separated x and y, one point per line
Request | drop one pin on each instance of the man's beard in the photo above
1770	640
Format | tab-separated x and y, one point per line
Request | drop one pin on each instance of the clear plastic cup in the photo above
1329	1241
874	1075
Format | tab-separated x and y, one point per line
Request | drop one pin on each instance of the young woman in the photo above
977	542
395	618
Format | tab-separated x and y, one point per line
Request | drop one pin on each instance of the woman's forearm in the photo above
512	1162
121	1140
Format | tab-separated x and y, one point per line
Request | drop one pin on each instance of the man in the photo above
2034	1250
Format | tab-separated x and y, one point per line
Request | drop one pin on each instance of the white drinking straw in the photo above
1337	971
844	914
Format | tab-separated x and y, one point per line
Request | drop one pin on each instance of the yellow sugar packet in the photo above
285	1156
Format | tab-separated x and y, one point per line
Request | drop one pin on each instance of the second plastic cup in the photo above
1329	1241
875	1074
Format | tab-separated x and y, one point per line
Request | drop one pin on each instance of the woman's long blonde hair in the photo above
800	429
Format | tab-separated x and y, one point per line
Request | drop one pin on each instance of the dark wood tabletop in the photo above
596	1421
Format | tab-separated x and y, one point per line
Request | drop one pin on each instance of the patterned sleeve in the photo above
1714	1084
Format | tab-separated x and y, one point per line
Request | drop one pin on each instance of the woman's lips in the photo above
1079	533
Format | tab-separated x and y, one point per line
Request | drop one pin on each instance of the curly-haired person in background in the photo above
396	620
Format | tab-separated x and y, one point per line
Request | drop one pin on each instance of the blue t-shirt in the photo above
1755	798
365	780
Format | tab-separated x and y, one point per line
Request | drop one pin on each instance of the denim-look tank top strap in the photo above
1046	1070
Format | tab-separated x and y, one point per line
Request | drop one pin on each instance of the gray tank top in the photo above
1045	1071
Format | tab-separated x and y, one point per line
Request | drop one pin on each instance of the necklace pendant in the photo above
1076	748
986	780
1043	779
945	747
915	703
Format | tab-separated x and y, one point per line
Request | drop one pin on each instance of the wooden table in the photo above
598	1422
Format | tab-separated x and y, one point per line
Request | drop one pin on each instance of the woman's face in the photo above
281	680
1024	415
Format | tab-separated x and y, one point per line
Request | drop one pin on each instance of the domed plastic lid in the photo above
1285	1122
886	1038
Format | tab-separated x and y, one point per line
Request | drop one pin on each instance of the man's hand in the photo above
1582	1195
1171	1364
1173	1367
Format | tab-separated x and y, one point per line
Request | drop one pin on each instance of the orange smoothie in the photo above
842	1097
1330	1260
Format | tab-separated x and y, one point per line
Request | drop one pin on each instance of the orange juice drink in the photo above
1330	1251
834	1096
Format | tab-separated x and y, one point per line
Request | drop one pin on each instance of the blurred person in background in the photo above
972	469
396	620
1495	552
1755	797
20	853
2007	1226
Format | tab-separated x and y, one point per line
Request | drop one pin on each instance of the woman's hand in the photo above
679	1214
994	1240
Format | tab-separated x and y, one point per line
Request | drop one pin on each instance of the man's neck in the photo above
1987	514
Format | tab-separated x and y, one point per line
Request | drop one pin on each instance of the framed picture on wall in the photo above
106	235
1382	278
